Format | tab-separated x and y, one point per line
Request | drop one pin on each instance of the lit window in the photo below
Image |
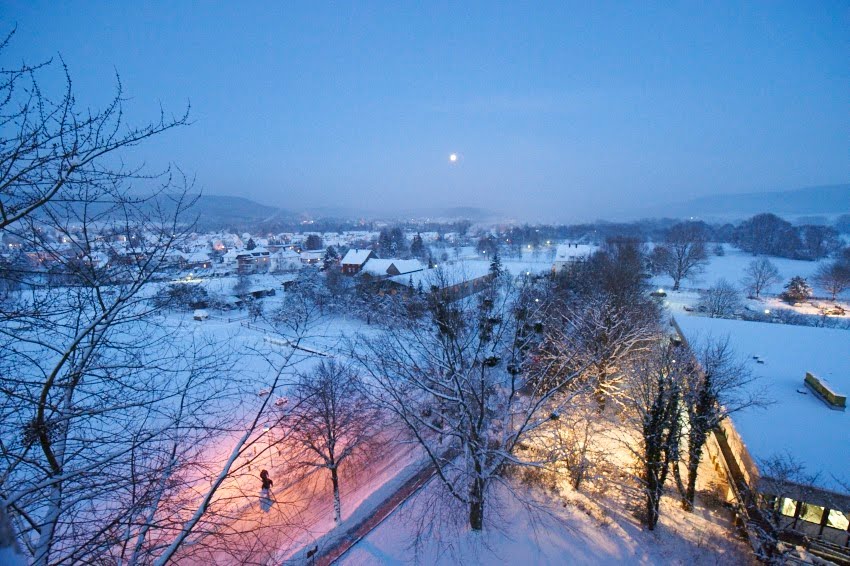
788	507
811	513
837	520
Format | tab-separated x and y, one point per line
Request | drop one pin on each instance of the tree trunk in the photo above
697	441
653	498
600	393
651	509
476	505
337	503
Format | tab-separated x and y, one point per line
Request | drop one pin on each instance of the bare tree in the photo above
719	300
601	315
599	334
716	383
458	380
94	389
106	402
760	274
682	255
652	402
242	287
50	148
834	277
333	420
568	440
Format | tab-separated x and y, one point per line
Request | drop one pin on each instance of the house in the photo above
456	280
257	260
312	257
354	260
284	259
259	292
569	254
803	372
229	261
198	259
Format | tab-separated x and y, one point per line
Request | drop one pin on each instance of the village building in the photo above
567	255
382	268
312	257
257	260
457	280
354	259
284	259
803	375
196	260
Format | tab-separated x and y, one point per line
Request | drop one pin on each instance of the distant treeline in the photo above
761	234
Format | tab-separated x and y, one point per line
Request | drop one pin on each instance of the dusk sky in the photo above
556	111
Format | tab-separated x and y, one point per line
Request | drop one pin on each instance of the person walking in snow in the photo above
267	482
265	497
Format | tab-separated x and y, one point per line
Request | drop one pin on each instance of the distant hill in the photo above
826	200
214	211
447	213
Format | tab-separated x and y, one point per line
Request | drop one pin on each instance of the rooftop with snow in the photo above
798	422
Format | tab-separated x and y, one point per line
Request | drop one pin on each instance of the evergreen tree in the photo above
797	290
313	242
496	265
331	257
251	244
417	247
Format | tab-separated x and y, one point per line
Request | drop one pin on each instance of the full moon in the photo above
453	157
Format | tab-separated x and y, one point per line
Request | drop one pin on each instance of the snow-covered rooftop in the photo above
381	267
573	252
408	265
798	422
444	275
356	256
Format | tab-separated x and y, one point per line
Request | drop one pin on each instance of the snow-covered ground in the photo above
566	527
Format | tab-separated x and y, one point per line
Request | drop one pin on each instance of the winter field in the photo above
732	264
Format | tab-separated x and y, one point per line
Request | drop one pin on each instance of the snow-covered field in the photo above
733	263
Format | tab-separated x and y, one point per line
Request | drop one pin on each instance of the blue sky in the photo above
558	111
